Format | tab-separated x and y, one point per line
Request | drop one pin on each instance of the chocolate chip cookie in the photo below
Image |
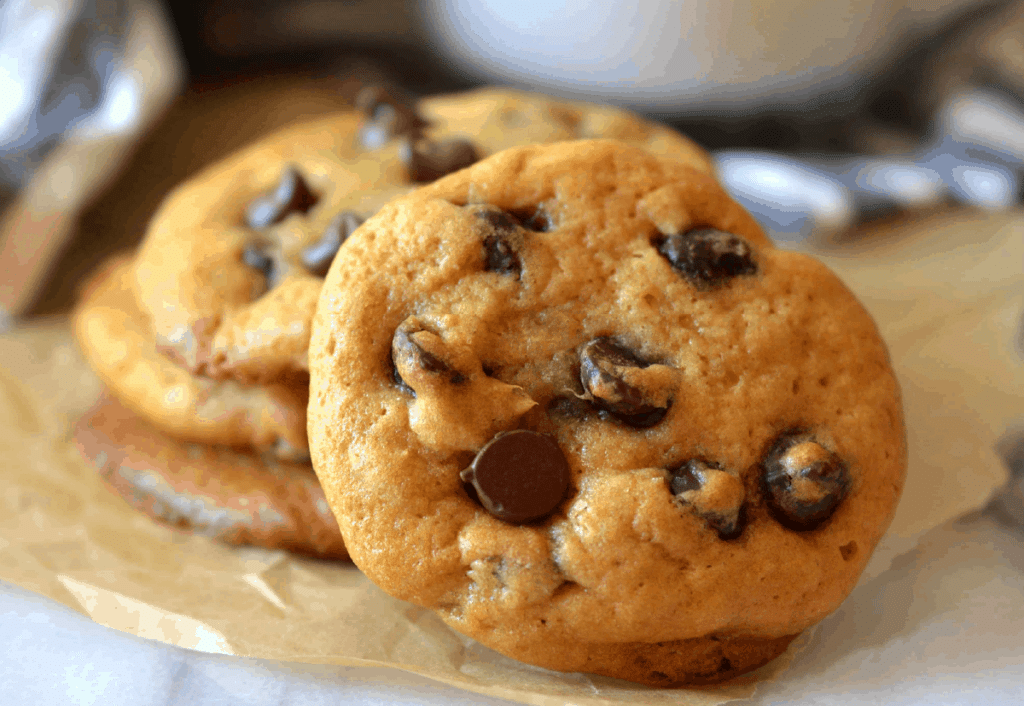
232	264
231	495
217	488
116	337
573	400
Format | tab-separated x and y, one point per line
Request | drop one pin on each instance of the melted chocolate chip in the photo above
519	476
693	475
317	258
410	358
603	365
707	257
389	114
427	160
291	194
803	482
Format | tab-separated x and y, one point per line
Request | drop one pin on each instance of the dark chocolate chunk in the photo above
693	476
317	258
411	360
427	160
602	367
389	114
707	257
519	476
803	482
291	194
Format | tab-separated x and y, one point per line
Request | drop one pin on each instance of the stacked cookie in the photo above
202	336
573	400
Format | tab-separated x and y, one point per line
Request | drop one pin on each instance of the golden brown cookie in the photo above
573	400
232	264
117	340
183	473
227	494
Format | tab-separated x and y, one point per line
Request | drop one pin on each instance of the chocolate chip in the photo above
427	160
497	218
519	476
389	114
689	476
256	256
291	194
317	258
697	478
540	220
411	360
707	257
536	219
604	366
500	256
502	237
803	482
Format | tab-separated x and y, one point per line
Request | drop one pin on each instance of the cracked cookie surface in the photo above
726	410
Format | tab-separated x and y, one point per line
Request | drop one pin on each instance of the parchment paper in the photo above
946	293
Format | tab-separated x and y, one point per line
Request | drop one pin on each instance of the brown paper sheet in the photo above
947	292
947	296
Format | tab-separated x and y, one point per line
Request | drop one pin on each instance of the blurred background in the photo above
821	115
